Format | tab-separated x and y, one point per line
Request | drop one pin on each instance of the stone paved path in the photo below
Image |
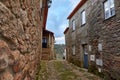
62	70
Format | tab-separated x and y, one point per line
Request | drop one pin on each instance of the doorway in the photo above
44	43
85	54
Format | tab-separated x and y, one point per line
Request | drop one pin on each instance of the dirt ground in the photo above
62	70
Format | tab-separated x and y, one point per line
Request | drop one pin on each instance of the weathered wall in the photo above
67	45
106	32
48	53
99	32
79	36
20	39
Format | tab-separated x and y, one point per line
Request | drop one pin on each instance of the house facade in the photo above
21	25
104	37
48	45
78	35
67	47
94	31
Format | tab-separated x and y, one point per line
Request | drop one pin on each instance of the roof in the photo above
66	30
45	18
76	8
47	31
45	13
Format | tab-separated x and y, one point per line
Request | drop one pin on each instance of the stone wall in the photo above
67	44
102	33
79	36
107	33
20	39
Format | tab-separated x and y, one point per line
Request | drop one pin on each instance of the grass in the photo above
58	65
67	75
91	77
37	74
64	73
81	70
43	71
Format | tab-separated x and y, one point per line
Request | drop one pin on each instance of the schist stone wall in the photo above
104	39
78	37
20	39
67	44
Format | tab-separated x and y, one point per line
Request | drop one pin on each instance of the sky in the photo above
57	17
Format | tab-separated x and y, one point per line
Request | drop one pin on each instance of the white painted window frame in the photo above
83	17
73	24
109	8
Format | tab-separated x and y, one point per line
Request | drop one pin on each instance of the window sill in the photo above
109	18
73	30
83	25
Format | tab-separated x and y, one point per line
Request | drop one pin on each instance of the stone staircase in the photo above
45	53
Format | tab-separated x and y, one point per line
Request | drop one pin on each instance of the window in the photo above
44	40
44	43
99	46
109	8
73	49
73	24
83	20
90	48
85	49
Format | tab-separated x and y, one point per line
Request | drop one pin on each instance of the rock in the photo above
4	52
18	38
6	76
18	76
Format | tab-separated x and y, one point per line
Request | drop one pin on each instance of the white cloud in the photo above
57	21
60	40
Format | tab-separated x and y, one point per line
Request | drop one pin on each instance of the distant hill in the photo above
59	50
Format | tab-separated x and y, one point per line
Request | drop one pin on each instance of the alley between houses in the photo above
62	70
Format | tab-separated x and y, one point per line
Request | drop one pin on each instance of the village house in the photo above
78	35
48	45
47	37
21	29
66	33
104	38
94	37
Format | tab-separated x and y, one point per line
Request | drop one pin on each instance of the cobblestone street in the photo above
62	70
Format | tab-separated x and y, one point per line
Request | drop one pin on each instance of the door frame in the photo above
85	56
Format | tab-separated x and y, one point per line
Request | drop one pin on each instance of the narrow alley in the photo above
36	35
62	70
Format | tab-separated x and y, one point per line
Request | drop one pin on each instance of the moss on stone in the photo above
76	62
94	70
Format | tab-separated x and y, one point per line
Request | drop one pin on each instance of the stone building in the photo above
98	37
104	37
21	24
66	33
48	45
78	35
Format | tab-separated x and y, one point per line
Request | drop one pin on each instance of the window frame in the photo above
44	43
111	9
73	25
83	17
44	40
